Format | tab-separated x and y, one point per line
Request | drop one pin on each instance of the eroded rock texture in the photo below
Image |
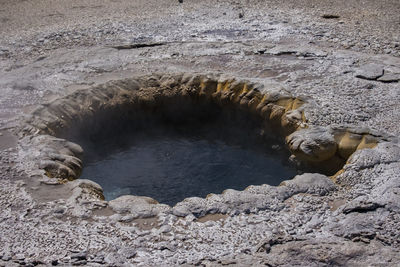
339	61
302	213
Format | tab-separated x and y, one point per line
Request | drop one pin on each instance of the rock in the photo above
24	86
58	157
14	264
137	206
35	262
300	51
370	72
359	225
209	223
85	190
79	262
311	183
128	253
314	144
330	16
322	252
114	259
98	259
165	229
19	257
79	256
275	239
370	86
126	219
383	153
166	246
389	77
360	206
126	201
192	205
59	210
6	257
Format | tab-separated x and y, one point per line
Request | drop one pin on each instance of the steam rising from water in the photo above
170	168
181	151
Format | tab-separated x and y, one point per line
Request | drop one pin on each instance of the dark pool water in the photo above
170	168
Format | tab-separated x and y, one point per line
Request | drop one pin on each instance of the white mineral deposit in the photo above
199	133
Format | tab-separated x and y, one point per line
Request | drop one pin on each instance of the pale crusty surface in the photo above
49	49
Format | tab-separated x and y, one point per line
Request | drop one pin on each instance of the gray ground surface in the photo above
348	66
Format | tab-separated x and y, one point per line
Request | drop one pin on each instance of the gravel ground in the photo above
348	66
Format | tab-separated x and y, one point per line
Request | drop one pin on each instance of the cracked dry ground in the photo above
347	67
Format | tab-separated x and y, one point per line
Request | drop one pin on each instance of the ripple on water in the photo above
171	168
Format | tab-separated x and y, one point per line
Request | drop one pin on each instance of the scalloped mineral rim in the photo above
57	160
